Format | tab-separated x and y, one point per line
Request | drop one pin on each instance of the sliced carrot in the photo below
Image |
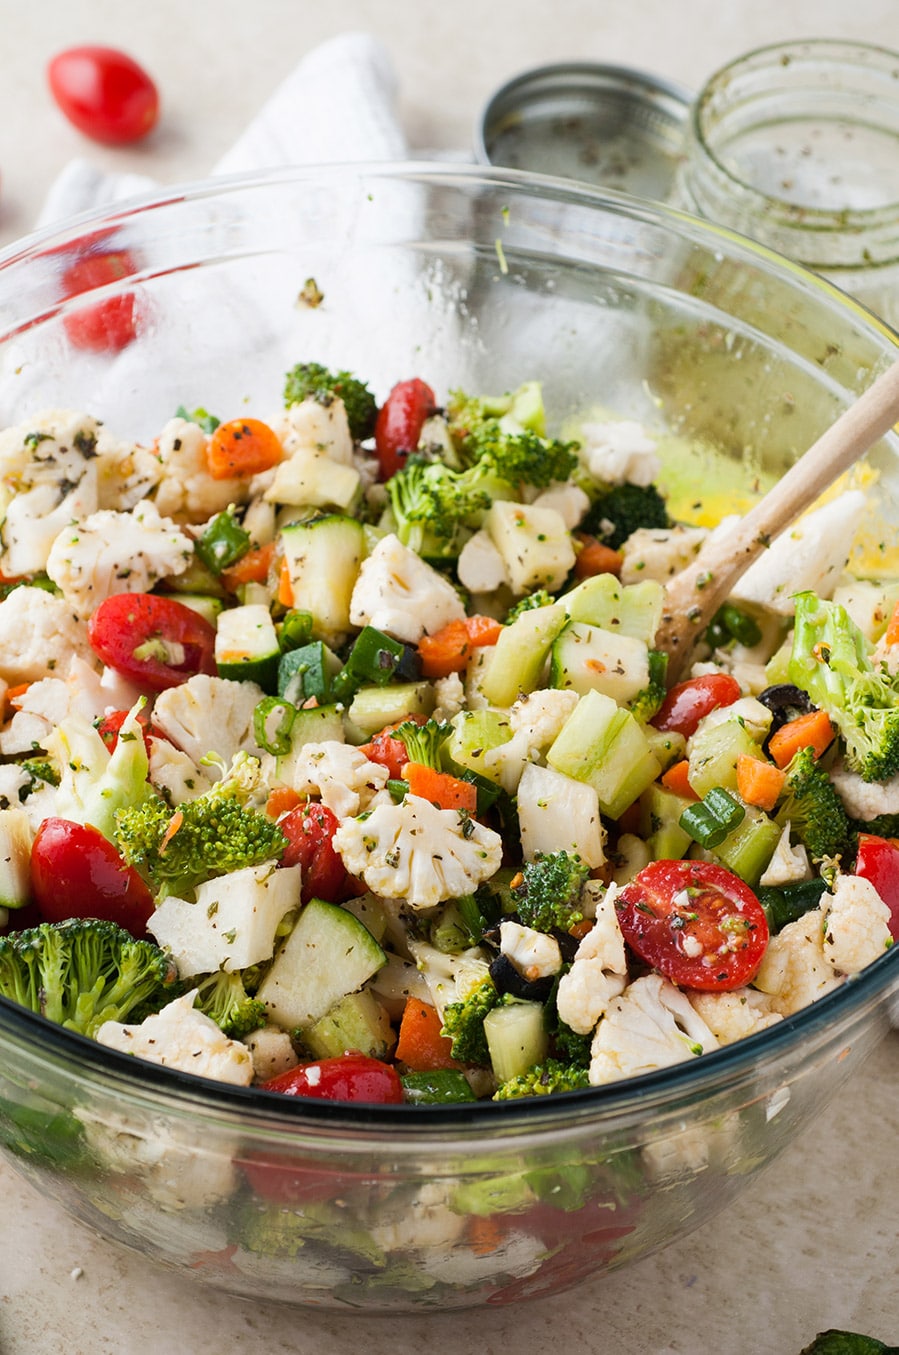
676	779
595	558
485	1233
449	649
891	635
442	789
285	585
420	1044
813	730
759	783
14	694
281	800
241	448
250	568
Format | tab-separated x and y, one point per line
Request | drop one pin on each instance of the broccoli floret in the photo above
310	380
647	702
463	1022
544	1080
831	661
434	507
84	971
549	892
225	999
40	771
624	509
814	809
423	743
539	598
522	458
215	834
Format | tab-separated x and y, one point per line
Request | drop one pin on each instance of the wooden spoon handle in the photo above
694	595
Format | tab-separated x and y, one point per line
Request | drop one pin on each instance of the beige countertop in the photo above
813	1243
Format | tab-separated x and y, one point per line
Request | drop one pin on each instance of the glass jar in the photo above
797	146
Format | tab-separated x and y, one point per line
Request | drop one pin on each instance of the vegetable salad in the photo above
338	758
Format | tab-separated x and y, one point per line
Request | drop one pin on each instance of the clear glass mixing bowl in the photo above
467	278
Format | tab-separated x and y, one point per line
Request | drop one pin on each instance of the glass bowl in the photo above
481	279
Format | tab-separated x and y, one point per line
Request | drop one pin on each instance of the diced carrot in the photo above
442	789
250	568
15	694
759	783
241	448
285	585
676	779
485	1233
281	800
580	929
891	635
595	558
420	1044
449	649
813	730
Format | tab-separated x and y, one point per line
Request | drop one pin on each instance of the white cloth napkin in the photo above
338	104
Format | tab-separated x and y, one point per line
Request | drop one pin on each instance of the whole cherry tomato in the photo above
350	1077
689	702
103	326
878	862
154	640
77	872
104	93
309	829
695	922
399	424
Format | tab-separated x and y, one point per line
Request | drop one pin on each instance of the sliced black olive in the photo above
509	980
785	702
408	668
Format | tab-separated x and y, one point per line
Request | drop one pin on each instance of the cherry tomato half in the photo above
309	829
351	1077
104	93
108	729
154	640
695	922
878	863
689	702
77	872
400	422
104	326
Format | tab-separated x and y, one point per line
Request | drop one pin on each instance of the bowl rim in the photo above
719	1068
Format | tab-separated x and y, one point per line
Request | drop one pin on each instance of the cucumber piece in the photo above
587	658
667	744
328	954
660	811
557	813
370	911
15	858
475	732
517	660
306	672
318	724
357	1023
714	752
373	708
749	848
322	557
633	609
442	1087
210	608
605	746
310	478
246	646
516	1038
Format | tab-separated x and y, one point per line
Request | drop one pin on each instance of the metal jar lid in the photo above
606	125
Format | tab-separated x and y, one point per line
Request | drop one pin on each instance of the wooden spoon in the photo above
694	595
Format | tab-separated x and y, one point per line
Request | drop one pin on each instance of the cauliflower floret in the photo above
174	774
126	474
569	501
619	453
398	592
659	552
752	714
536	721
788	863
794	969
209	715
480	567
186	489
865	800
39	632
48	478
341	776
313	426
857	925
534	954
449	693
811	555
651	1025
558	813
113	552
273	1052
40	710
419	853
426	1220
734	1015
599	971
181	1037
